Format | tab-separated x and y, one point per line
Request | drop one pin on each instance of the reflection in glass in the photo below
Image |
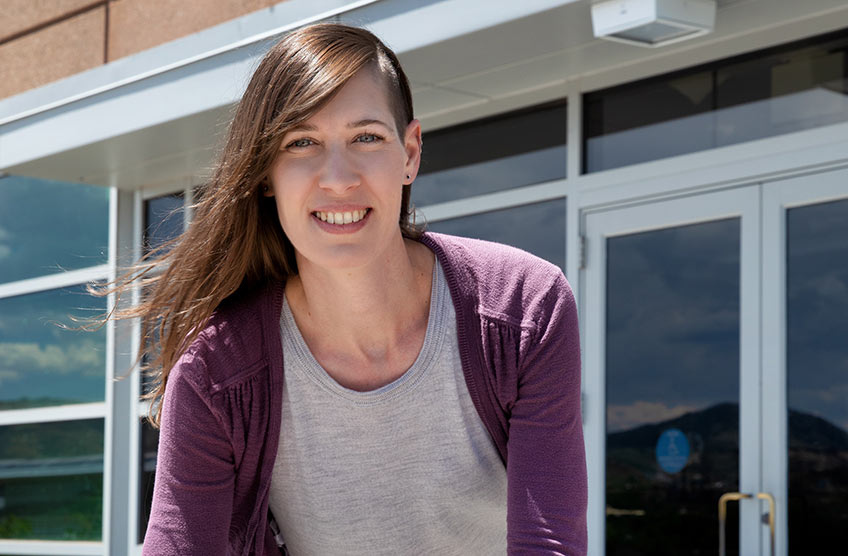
817	367
672	375
146	474
163	220
492	155
538	228
43	364
780	90
51	480
49	226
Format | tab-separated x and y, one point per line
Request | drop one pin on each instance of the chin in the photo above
339	257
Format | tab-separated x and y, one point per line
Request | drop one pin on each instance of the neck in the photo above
369	315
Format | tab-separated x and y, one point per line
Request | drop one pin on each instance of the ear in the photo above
412	146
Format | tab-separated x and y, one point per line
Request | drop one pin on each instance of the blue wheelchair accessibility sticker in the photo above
672	450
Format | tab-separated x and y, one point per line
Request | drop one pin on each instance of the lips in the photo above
341	217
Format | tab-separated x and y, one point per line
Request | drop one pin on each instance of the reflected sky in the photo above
163	219
672	322
47	226
728	126
490	176
493	154
538	228
786	89
44	364
817	297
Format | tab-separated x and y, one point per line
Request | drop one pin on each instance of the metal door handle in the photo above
722	516
771	517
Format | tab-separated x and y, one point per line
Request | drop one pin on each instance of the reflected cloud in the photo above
79	358
642	412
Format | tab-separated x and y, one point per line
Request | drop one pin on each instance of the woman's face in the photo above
338	177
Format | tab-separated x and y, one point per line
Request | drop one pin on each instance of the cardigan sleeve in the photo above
193	492
546	467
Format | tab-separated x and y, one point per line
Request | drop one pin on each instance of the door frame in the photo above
778	197
743	202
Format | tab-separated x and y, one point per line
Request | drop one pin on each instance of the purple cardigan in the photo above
518	340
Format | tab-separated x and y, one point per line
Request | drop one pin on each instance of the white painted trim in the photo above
108	428
741	202
135	343
593	316
188	207
54	281
53	414
778	197
39	548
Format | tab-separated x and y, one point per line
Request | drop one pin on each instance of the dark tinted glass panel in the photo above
147	472
672	364
781	90
51	480
163	220
42	363
817	365
48	226
492	155
538	228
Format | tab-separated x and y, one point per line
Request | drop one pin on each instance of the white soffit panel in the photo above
31	139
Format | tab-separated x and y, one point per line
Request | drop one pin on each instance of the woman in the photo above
332	380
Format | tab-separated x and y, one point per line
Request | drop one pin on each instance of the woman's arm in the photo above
193	492
546	468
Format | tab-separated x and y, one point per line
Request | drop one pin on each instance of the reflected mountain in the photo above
653	512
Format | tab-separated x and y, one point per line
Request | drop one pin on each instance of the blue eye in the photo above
300	143
369	138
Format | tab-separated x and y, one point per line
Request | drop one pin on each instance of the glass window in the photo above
51	480
491	155
544	237
672	375
147	472
817	376
163	219
44	364
780	90
49	226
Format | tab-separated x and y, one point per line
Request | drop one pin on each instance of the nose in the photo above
339	172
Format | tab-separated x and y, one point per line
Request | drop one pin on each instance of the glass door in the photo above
672	360
805	360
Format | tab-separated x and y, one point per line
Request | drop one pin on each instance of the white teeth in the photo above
341	217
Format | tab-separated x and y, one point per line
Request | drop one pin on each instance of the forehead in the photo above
364	96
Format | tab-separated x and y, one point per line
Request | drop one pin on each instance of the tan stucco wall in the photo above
45	40
59	50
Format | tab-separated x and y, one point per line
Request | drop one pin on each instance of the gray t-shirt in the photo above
407	468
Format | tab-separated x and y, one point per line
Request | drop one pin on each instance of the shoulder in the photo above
233	342
503	282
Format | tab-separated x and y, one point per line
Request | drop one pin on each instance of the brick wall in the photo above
45	40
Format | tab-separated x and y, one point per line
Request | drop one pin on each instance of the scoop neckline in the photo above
433	337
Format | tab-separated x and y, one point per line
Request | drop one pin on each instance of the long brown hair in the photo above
235	240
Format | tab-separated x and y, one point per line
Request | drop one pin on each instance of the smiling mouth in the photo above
346	217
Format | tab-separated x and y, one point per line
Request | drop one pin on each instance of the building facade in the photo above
695	195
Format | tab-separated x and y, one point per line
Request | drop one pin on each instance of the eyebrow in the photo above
352	125
368	121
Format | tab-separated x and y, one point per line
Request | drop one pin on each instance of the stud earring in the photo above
265	188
